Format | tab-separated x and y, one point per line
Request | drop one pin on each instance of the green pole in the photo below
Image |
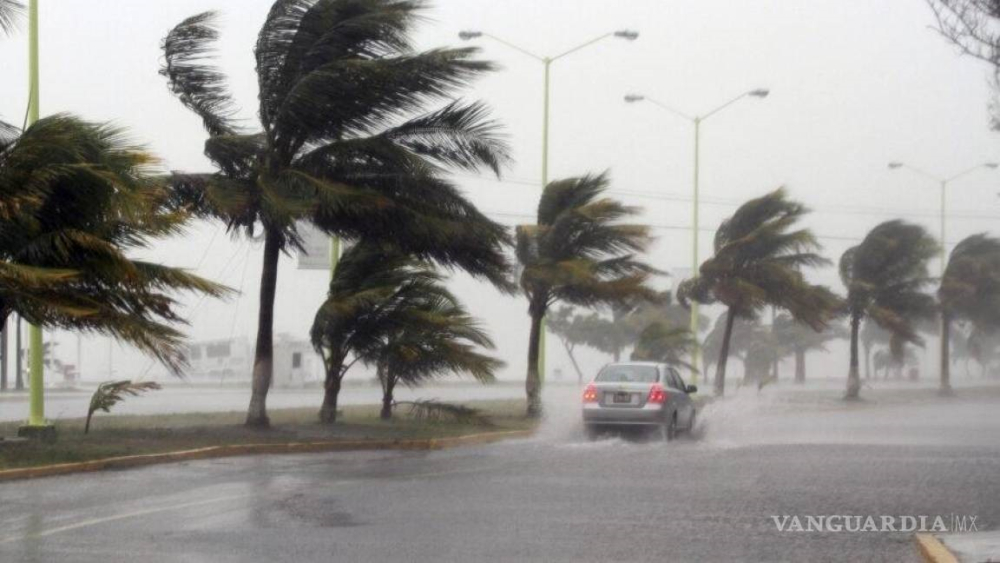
36	415
334	255
545	181
696	350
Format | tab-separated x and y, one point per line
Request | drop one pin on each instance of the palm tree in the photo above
435	337
366	293
885	277
76	200
572	330
870	336
798	339
758	262
345	141
969	291
664	342
578	253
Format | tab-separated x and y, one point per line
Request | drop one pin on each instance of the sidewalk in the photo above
978	547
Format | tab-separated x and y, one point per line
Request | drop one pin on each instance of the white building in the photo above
231	360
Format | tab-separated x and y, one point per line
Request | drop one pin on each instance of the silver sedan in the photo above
639	394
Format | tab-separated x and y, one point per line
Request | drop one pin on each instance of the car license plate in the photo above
623	397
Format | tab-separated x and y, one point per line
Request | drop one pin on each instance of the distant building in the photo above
231	361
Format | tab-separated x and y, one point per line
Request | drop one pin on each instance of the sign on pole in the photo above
315	253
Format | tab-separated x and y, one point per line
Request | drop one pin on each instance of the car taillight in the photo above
657	394
590	394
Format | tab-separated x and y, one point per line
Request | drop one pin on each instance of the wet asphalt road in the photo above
552	498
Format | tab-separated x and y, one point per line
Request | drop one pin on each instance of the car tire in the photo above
668	430
591	432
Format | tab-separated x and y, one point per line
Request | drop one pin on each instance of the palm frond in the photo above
187	50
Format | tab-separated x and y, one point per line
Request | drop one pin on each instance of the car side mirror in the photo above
691	389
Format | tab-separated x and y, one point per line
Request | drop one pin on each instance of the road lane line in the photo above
96	521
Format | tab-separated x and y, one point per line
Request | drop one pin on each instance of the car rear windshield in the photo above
628	374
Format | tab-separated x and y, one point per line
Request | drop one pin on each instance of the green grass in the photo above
112	436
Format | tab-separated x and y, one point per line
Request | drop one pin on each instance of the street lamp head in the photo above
759	93
895	165
632	98
991	165
627	34
469	34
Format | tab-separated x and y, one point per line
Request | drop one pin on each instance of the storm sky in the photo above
854	84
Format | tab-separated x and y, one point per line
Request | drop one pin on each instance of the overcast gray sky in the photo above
854	84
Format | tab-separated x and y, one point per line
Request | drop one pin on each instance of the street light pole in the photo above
546	81
943	183
36	415
695	219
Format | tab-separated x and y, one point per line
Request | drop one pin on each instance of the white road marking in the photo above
96	521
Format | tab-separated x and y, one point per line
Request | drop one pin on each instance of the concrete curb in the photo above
933	551
125	462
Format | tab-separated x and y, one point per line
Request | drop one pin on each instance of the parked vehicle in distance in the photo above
640	394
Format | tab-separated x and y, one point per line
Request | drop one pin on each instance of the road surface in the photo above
555	497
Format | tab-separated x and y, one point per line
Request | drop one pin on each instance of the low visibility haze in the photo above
854	84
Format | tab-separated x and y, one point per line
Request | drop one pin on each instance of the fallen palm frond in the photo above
436	411
110	393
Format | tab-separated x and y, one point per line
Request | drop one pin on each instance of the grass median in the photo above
124	435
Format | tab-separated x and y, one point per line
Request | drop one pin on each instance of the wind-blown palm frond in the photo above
76	199
187	50
758	262
10	13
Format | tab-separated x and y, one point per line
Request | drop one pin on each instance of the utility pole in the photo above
37	427
547	61
696	120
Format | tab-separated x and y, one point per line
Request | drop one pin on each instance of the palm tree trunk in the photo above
868	361
263	365
532	384
853	375
331	392
720	367
388	384
572	359
800	365
617	355
945	354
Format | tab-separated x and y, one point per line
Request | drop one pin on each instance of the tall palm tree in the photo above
758	262
346	141
969	291
579	253
885	277
435	337
366	294
798	339
76	200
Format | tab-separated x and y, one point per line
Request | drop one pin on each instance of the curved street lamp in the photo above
469	34
696	120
